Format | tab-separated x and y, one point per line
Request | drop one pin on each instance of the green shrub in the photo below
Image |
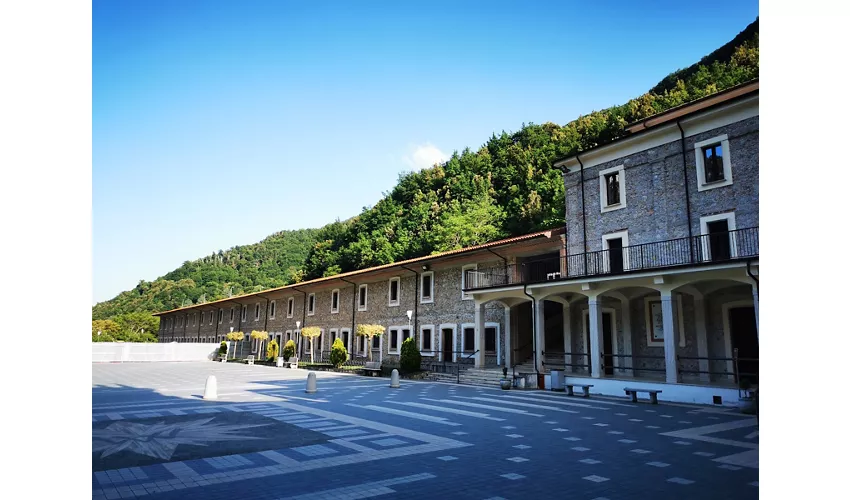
289	349
339	354
272	350
223	349
410	357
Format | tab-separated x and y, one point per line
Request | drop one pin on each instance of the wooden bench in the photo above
250	360
584	387
653	394
292	363
372	368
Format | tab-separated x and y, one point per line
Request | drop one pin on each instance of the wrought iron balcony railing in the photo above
688	251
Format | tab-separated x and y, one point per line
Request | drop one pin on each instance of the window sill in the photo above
427	301
393	304
705	186
611	208
427	353
363	309
334	312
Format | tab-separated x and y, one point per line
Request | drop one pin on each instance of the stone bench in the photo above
653	394
372	368
584	387
250	360
292	363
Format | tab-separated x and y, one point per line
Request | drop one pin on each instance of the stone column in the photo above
507	354
595	316
479	334
702	338
568	338
539	332
669	337
625	364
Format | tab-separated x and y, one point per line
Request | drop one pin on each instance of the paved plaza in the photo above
153	436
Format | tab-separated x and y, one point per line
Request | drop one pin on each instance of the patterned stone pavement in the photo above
154	437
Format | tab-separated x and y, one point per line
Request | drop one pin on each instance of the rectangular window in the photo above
257	312
231	315
469	339
212	316
335	301
718	240
405	334
346	335
427	340
394	343
427	287
220	315
311	304
464	274
362	344
612	188
362	297
194	319
393	292
712	157
272	307
290	304
244	315
490	340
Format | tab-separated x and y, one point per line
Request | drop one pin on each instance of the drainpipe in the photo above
265	323
752	276
687	192
218	323
303	321
353	312
583	216
533	328
239	329
415	304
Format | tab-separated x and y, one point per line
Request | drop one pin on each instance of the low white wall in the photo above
674	393
129	352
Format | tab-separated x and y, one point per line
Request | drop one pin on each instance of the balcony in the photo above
713	248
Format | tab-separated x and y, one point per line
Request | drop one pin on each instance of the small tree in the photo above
339	354
272	350
222	350
289	349
260	336
235	337
370	331
410	360
311	332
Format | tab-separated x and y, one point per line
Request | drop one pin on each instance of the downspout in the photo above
416	305
533	328
687	192
218	322
265	323
353	312
239	329
752	276
583	216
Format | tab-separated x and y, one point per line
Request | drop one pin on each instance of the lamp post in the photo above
298	332
409	328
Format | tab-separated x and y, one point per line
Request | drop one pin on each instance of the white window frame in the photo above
257	312
272	309
703	229
647	313
422	338
243	315
700	163
212	317
603	191
624	235
395	333
422	298
335	292
463	328
220	316
347	342
290	306
231	315
390	301
311	305
467	267
365	306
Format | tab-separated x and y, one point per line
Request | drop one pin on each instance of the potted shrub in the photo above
505	382
750	406
410	360
222	352
339	355
288	350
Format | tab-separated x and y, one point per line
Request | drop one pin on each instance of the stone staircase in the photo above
481	376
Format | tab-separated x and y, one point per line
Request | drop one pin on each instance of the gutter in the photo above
583	215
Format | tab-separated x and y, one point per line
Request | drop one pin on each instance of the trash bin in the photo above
557	382
280	362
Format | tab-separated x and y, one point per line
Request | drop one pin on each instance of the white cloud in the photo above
424	156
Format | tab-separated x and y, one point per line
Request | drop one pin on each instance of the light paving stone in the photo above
704	454
589	418
550	422
679	480
728	467
580	448
596	479
684	443
658	464
590	461
627	441
616	433
508	427
600	424
517	459
522	446
642	452
447	458
513	435
561	430
572	439
314	450
389	442
635	420
512	476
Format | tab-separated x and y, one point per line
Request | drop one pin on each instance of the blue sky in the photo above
218	123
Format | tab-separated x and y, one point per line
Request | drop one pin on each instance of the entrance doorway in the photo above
448	339
742	329
607	342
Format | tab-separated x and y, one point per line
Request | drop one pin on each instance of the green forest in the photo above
505	187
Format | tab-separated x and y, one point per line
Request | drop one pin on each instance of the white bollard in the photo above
211	389
311	383
394	379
